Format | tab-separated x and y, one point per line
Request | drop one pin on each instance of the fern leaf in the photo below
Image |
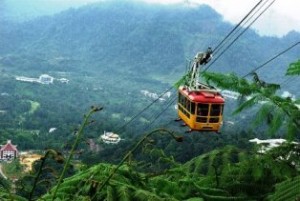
276	122
142	195
124	193
110	193
195	199
291	131
287	191
249	103
182	81
262	114
294	68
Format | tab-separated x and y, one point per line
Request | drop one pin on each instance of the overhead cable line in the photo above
239	36
148	106
143	110
242	25
290	79
228	35
277	55
237	26
172	100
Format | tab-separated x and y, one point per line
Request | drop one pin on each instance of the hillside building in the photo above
110	138
46	79
8	151
63	80
43	79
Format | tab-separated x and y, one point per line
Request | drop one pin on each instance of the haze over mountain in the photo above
114	59
137	38
281	14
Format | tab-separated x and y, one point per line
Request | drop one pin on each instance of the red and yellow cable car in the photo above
200	106
201	110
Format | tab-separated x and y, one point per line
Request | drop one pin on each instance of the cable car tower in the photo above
200	106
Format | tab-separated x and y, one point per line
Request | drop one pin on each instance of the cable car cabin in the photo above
201	110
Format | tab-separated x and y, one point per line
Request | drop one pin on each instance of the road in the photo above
1	172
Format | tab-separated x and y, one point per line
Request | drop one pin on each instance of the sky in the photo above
278	20
281	18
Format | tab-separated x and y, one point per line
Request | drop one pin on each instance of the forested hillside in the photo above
110	52
114	54
138	37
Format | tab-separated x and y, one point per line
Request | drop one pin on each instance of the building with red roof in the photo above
8	151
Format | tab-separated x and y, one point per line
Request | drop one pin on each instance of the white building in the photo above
268	144
63	80
110	138
43	79
8	151
46	79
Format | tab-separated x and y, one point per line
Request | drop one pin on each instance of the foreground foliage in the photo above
224	174
276	111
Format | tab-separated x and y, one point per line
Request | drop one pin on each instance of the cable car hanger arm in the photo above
200	59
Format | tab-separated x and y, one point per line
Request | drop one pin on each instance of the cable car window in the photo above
202	109
181	99
215	109
201	119
214	120
187	105
192	108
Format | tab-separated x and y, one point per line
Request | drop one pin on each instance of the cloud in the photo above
278	20
281	18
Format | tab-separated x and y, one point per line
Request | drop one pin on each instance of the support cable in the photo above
218	46
237	26
277	55
172	100
143	110
239	36
288	80
241	26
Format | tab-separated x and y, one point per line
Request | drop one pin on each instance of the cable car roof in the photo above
202	96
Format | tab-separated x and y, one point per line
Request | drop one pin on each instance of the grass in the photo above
34	106
13	169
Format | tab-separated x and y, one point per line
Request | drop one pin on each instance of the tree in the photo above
276	111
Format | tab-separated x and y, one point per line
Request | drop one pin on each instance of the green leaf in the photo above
294	68
292	131
146	195
287	191
182	81
262	114
195	199
276	122
110	193
249	103
124	193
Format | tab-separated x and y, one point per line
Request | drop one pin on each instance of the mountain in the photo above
25	10
110	51
137	38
